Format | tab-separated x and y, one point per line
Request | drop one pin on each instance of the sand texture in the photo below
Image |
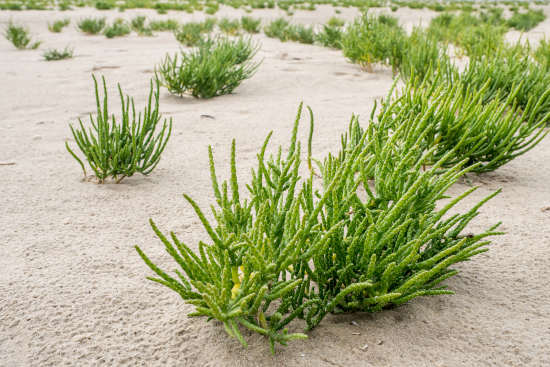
73	290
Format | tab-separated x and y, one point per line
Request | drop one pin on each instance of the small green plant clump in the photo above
277	29
104	5
54	54
250	25
336	22
164	25
191	34
330	36
302	34
374	39
91	25
58	25
118	28
284	31
19	36
120	149
230	26
216	67
371	237
139	25
526	21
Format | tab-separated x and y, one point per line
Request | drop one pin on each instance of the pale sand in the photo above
73	290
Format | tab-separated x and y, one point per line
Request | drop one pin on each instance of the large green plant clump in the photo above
368	234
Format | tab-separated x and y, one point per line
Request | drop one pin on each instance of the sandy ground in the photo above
73	290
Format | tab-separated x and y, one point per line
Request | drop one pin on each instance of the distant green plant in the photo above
229	26
212	8
476	36
58	25
284	31
278	28
330	36
526	21
300	33
121	149
104	5
65	5
250	25
19	36
374	39
54	54
335	22
191	34
91	25
421	55
216	67
138	25
164	25
118	28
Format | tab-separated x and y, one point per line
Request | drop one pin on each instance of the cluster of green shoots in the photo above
58	25
118	28
91	25
510	71
192	33
19	36
458	118
215	67
284	31
53	54
119	149
361	232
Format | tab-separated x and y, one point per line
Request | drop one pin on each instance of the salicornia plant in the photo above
19	37
120	149
119	28
507	70
455	118
58	25
91	25
216	67
374	39
369	236
55	54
